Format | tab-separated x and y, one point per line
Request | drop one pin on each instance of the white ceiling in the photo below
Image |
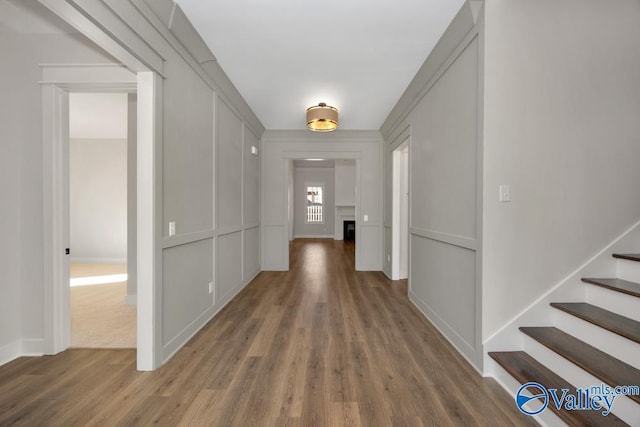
286	55
98	115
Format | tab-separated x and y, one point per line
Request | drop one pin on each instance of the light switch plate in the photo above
505	193
254	150
172	228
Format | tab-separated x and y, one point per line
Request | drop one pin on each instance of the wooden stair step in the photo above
619	285
525	368
608	320
630	257
598	363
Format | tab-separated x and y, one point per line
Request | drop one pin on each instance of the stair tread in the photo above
598	363
525	368
624	286
613	322
630	257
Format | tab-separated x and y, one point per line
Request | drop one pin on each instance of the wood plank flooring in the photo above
320	345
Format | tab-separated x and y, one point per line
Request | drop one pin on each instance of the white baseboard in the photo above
32	347
89	260
465	350
274	267
131	299
10	351
368	267
20	348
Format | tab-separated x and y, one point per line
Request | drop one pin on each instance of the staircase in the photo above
610	322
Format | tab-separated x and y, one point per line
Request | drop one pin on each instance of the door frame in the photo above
289	156
57	82
400	214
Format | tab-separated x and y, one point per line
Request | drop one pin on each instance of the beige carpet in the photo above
99	316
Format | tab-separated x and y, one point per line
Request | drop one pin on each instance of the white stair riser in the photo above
624	408
611	343
628	270
617	302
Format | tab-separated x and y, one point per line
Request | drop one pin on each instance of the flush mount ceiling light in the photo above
322	118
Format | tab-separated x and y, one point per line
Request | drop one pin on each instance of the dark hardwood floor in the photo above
318	345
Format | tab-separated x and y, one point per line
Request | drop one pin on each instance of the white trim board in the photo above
20	348
90	260
55	111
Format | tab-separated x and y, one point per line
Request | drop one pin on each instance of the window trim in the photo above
306	191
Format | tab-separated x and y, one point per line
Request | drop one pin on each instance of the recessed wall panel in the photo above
228	263
228	167
251	180
444	151
187	150
251	252
443	278
187	271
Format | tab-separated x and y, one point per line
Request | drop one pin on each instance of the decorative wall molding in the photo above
369	136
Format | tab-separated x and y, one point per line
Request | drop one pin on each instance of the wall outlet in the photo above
211	288
172	228
388	257
505	193
254	150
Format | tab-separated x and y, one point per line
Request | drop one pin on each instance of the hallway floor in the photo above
317	345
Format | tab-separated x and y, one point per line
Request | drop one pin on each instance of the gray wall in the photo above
278	147
98	200
345	182
210	185
207	180
555	117
21	224
440	116
562	105
311	175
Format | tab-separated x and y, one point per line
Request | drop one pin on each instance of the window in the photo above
314	204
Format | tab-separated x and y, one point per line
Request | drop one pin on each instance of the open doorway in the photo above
102	219
400	213
322	200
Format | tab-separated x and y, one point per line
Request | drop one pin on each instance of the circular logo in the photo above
536	391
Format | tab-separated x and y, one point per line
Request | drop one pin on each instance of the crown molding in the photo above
370	136
462	29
